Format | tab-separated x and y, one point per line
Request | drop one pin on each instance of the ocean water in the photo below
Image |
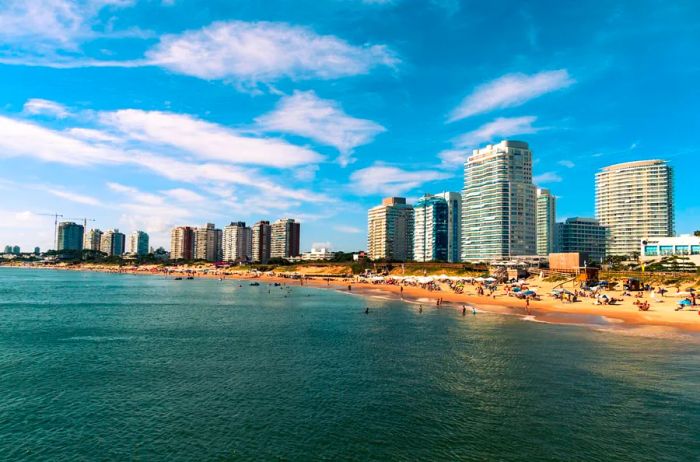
120	367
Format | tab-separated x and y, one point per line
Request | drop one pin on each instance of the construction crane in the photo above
85	220
55	226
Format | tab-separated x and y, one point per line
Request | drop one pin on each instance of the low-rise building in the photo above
655	249
582	235
318	253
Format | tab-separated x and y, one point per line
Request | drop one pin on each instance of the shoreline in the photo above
624	316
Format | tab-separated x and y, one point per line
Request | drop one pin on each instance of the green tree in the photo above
697	233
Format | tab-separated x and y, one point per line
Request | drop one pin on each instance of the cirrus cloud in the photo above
263	52
322	120
384	179
509	91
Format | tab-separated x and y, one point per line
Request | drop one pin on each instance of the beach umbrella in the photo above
685	302
529	293
567	292
516	289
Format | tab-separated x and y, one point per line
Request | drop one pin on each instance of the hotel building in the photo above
546	219
634	201
284	238
430	229
583	235
138	243
238	242
390	230
498	203
182	243
262	233
454	225
69	236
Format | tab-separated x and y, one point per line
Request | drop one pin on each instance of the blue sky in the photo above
151	114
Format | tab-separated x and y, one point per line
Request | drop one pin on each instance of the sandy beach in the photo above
662	313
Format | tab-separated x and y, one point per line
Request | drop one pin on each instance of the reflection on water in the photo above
132	367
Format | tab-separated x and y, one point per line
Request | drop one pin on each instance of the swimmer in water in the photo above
367	310
420	308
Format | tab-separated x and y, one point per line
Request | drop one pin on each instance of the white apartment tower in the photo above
390	230
207	243
498	203
238	242
138	243
92	240
634	201
546	221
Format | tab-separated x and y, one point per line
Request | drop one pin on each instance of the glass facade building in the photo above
430	231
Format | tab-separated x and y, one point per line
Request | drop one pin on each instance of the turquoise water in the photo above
113	367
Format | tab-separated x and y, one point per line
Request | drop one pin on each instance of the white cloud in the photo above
547	177
20	138
149	212
382	179
566	163
348	229
322	120
509	91
498	128
38	106
45	25
184	195
25	139
253	52
453	157
74	197
205	139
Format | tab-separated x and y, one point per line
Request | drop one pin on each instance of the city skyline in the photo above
102	118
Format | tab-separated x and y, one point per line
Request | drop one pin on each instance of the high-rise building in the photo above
284	238
238	242
69	236
498	203
262	233
207	243
582	235
454	225
37	250
8	249
634	201
113	243
16	250
546	220
138	243
182	243
390	230
430	217
92	240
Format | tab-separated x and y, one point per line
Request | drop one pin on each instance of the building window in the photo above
651	251
682	250
666	250
695	249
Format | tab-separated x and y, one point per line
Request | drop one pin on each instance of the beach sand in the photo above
661	314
